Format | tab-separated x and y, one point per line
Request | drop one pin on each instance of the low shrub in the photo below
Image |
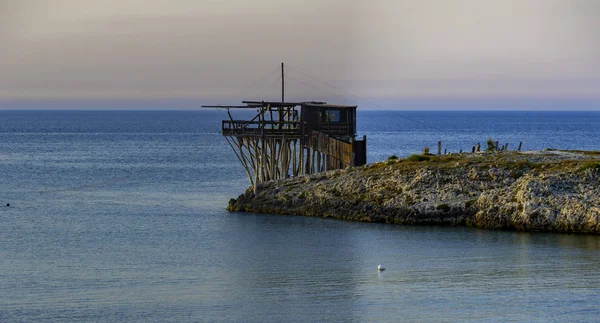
594	165
491	145
418	158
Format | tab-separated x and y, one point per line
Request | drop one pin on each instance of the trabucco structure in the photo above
287	139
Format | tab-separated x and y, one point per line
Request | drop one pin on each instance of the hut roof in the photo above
273	104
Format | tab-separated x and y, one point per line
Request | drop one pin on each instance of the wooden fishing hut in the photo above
286	139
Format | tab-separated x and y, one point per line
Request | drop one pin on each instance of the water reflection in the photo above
305	262
302	266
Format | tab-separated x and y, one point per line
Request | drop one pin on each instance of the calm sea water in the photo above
119	216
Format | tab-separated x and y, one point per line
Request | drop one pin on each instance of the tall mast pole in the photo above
282	84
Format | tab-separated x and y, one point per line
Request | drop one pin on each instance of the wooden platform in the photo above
293	138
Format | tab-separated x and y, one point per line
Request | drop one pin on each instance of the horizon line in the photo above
359	109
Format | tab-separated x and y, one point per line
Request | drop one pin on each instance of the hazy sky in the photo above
399	54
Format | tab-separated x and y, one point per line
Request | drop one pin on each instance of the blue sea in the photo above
120	216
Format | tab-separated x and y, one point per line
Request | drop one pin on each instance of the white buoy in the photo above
380	268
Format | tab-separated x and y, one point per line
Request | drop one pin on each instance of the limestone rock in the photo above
529	192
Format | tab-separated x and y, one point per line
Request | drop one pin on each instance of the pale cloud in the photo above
156	49
210	50
484	38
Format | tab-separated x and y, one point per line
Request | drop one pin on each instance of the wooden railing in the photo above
270	128
336	128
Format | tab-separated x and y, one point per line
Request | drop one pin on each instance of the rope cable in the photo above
315	87
269	86
256	82
359	100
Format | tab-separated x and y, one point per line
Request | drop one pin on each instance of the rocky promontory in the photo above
557	191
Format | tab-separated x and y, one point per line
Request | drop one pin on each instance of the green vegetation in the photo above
302	195
418	158
425	151
517	164
585	152
593	165
491	145
336	192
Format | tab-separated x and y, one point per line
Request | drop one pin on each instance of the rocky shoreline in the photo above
553	191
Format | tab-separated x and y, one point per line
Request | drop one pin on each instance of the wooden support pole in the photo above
240	159
294	169
307	163
319	161
312	161
245	160
301	169
256	155
365	149
520	145
290	157
284	158
273	159
477	147
278	158
251	145
270	158
263	162
284	161
281	162
300	159
439	152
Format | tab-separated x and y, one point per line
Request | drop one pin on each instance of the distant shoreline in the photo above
550	191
